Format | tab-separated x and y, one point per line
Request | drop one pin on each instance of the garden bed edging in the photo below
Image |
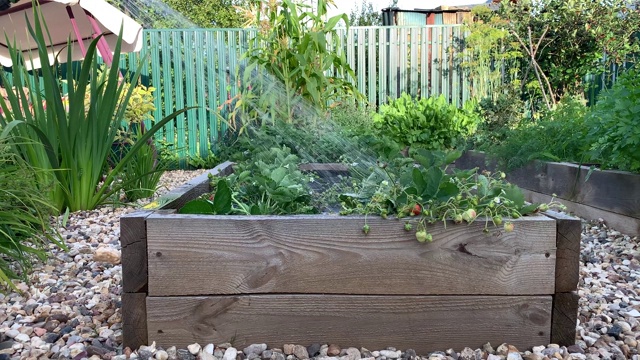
318	279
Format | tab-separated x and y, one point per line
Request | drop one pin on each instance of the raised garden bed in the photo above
319	279
611	195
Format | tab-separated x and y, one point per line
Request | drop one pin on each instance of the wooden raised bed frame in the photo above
609	194
319	279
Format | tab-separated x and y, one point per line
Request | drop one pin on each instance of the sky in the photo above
345	6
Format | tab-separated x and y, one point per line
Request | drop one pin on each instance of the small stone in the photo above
161	355
255	349
172	353
467	354
183	354
631	341
488	348
94	350
410	354
277	356
12	333
314	349
574	349
353	354
206	356
503	350
50	338
39	331
391	354
230	354
300	352
288	349
493	357
532	356
145	354
195	349
538	349
209	348
515	356
333	350
266	355
626	328
22	337
615	331
107	255
633	313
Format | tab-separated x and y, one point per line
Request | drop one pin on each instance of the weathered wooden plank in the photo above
565	318
625	224
423	323
195	187
568	232
133	239
607	190
330	254
134	320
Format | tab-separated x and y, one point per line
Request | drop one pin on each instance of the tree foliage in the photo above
364	15
558	42
211	13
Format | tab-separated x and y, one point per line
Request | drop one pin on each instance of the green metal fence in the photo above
197	67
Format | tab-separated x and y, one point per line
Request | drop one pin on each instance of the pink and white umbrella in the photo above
77	20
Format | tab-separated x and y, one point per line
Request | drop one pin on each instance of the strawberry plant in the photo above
431	193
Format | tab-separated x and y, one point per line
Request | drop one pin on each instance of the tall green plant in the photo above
293	44
25	229
66	135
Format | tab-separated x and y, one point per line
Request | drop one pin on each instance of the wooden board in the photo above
195	187
608	190
330	254
568	234
134	320
422	323
565	318
625	224
133	239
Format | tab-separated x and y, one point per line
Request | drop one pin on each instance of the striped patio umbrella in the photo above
77	20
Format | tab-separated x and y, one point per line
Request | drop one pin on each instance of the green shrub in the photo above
430	123
500	112
559	135
25	211
614	124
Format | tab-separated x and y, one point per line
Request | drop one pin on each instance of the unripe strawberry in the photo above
457	219
422	236
515	214
469	215
508	226
365	229
497	220
543	207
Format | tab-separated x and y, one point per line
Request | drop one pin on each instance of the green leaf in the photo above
198	206
278	174
418	181
514	194
222	199
433	177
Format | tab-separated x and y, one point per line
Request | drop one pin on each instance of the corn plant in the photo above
297	48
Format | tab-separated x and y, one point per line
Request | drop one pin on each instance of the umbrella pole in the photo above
76	30
103	46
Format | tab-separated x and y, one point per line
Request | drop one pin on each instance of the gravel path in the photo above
71	310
